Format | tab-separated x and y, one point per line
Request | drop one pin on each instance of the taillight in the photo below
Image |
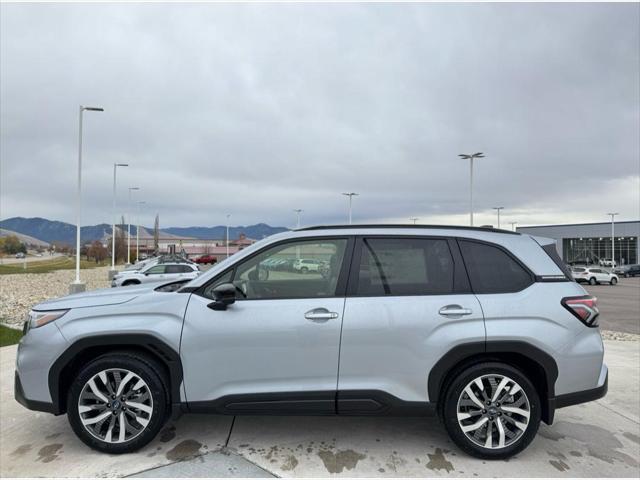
584	308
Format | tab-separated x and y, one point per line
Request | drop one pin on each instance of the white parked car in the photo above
593	275
305	265
604	262
156	272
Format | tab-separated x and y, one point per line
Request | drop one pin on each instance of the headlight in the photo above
38	319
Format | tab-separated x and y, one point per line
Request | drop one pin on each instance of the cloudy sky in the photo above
258	109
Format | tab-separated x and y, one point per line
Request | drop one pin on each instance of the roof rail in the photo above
400	225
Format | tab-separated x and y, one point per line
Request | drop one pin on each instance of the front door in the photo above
277	346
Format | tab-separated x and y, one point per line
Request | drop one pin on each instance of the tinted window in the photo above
157	269
553	253
492	270
405	266
276	273
225	278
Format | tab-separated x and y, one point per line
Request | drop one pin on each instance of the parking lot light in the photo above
112	272
613	245
129	226
470	158
513	225
497	209
350	195
140	203
414	219
227	242
77	285
298	212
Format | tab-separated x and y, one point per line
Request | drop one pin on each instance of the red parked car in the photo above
205	259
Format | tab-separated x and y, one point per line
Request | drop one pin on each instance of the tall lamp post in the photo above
470	158
131	189
77	285
298	212
138	231
613	243
513	225
350	195
227	242
497	209
414	219
112	272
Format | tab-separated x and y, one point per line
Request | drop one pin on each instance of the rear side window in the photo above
550	249
407	266
492	270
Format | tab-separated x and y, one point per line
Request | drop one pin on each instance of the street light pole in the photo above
497	209
298	212
513	225
613	243
470	158
414	219
350	195
77	285
112	272
227	242
138	231
129	226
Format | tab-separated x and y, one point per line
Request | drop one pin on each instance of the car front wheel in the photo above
118	403
613	281
491	410
592	281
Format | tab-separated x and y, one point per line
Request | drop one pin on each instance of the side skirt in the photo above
351	402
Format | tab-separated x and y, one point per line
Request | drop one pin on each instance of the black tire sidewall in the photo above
142	367
449	411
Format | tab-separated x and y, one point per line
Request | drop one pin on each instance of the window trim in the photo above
532	277
341	285
461	283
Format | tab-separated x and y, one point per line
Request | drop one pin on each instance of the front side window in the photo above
156	270
305	269
492	270
405	266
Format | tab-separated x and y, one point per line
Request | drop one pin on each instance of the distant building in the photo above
192	247
591	242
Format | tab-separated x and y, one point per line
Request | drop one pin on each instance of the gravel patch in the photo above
621	336
19	292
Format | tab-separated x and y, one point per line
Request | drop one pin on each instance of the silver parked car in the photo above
593	275
156	272
404	320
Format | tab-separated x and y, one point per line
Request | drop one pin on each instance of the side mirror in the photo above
223	295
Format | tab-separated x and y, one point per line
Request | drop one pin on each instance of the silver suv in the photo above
483	327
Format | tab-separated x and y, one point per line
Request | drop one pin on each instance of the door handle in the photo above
320	315
454	311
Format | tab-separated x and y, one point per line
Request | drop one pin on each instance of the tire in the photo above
457	400
304	270
613	281
151	400
592	281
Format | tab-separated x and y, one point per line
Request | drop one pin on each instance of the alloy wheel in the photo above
493	411
115	405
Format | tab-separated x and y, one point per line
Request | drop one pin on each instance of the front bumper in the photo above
20	397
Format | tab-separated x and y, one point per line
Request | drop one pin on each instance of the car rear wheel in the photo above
118	403
592	281
491	410
613	281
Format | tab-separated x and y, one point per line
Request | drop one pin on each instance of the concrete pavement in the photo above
597	439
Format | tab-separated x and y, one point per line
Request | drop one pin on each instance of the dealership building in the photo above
590	242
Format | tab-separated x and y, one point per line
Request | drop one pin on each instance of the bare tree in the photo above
156	235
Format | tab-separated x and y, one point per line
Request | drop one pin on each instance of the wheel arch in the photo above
538	365
86	349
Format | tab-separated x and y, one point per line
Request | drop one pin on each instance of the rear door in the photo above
408	303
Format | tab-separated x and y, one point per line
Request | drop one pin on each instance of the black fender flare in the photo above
460	353
153	345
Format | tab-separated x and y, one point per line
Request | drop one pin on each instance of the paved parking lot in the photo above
597	439
619	305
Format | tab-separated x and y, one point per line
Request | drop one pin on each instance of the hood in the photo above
95	298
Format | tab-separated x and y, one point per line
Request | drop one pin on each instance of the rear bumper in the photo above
584	396
20	397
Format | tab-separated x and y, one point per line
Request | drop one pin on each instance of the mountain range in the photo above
54	231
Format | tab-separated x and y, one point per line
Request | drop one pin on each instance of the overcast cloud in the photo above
259	109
